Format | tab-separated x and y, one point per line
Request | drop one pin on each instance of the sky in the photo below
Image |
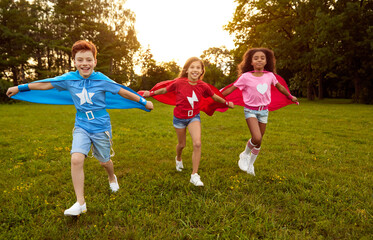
175	30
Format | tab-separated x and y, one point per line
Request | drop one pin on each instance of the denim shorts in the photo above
183	123
101	143
261	115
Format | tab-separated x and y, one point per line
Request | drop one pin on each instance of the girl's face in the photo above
259	61
194	71
85	62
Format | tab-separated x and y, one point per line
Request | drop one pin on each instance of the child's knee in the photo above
104	164
77	158
257	141
181	145
197	144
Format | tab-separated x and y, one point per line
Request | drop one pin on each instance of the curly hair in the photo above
245	65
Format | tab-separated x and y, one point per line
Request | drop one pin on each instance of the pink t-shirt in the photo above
256	91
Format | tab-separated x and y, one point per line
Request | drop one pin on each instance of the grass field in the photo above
314	176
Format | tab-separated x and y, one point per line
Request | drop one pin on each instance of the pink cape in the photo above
209	106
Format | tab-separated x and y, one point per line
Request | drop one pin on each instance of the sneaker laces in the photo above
196	178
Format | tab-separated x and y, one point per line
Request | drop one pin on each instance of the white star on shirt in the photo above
85	97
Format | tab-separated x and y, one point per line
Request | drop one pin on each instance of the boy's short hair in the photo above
83	45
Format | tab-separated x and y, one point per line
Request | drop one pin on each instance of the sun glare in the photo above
176	30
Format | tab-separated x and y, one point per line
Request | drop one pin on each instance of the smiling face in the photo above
259	61
194	71
85	62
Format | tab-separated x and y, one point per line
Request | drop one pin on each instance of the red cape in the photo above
209	106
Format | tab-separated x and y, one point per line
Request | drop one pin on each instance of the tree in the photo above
42	34
117	41
36	37
153	73
219	66
311	39
285	27
172	69
15	40
220	57
356	51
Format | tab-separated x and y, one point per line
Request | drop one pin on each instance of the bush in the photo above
4	85
367	94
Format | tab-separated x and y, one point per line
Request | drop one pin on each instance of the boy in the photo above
92	122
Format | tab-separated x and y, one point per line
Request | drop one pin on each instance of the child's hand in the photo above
149	105
146	94
12	91
294	99
231	105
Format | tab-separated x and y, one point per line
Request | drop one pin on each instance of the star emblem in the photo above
85	97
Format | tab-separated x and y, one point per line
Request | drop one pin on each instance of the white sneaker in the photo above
114	186
76	210
243	163
250	170
196	180
179	165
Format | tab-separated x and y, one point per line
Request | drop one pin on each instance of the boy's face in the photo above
85	62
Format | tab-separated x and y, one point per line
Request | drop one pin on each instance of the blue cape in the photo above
53	96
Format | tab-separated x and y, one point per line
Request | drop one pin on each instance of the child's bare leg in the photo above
257	130
181	141
195	132
109	167
77	174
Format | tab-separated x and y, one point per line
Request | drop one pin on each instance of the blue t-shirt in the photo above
89	95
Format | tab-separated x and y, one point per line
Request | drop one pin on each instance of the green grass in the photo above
313	180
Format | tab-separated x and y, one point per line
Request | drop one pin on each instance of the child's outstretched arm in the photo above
229	90
27	87
283	90
156	92
216	98
131	96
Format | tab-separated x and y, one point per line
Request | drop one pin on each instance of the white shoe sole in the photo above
196	181
251	171
197	184
76	211
74	214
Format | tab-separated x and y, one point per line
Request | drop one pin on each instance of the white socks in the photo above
254	154
249	147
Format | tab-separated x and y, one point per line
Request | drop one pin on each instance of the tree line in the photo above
36	37
323	48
